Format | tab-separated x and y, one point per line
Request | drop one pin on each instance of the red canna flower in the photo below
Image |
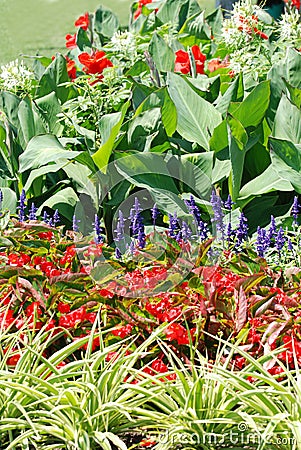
71	68
71	41
182	62
83	21
94	63
139	9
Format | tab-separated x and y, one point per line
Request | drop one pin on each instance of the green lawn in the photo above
40	25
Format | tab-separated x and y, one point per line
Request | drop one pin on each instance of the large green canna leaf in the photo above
27	127
54	79
287	124
162	54
252	109
286	161
48	108
64	200
237	139
109	126
42	150
197	118
268	181
177	11
106	22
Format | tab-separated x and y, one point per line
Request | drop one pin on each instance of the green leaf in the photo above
26	120
64	200
162	54
9	103
9	200
232	94
237	138
41	171
268	181
109	127
195	26
82	40
176	12
197	118
106	22
53	79
287	123
252	109
49	107
286	161
146	170
43	149
292	63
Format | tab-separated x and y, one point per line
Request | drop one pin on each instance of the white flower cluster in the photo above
237	30
290	27
15	75
124	42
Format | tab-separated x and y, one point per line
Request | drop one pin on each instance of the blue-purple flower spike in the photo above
1	199
117	253
120	227
56	217
185	231
32	212
137	226
218	217
97	230
280	240
155	213
201	226
45	217
228	203
75	223
173	225
262	242
272	230
242	231
22	206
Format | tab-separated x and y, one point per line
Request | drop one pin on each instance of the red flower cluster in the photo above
74	318
158	366
71	41
164	310
182	62
249	28
176	332
123	331
295	3
83	21
95	63
18	260
139	8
